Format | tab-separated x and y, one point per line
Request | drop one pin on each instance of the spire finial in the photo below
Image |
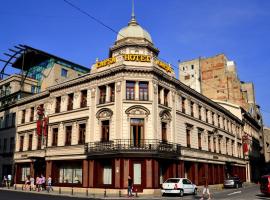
133	19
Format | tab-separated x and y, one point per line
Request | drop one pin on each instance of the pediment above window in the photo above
137	111
165	115
104	113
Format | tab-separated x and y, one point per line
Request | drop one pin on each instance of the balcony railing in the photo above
155	147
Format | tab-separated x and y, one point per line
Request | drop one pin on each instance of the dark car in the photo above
265	184
233	182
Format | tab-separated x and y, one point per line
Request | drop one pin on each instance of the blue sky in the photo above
181	29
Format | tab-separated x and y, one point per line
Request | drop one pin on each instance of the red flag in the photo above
39	127
45	126
245	147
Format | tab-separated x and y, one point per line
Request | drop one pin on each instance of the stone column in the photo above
91	174
32	172
48	168
117	167
85	170
75	133
196	173
108	92
149	177
162	96
137	90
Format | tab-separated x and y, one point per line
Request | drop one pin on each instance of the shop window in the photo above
164	131
137	170
188	137
83	98
107	175
68	135
143	91
54	136
30	142
70	173
112	93
21	143
25	171
32	114
23	116
58	105
102	94
64	72
81	134
105	131
70	101
130	90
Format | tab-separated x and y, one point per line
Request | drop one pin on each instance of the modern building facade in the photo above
128	116
38	70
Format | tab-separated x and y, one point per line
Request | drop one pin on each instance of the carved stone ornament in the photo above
104	113
165	115
118	87
137	110
155	88
93	92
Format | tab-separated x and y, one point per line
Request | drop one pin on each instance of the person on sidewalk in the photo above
49	184
32	183
206	192
27	183
9	179
4	182
130	186
38	180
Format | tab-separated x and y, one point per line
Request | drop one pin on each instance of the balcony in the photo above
142	148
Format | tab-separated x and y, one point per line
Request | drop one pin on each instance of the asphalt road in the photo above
247	193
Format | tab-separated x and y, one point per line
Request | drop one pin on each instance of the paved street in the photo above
248	193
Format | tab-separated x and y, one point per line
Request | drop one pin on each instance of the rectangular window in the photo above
68	135
58	105
23	116
166	93
102	94
200	140
130	90
213	118
1	122
183	105
112	93
209	143
30	141
191	109
25	171
215	148
32	114
64	72
159	94
105	131
83	98
54	137
6	121
70	173
232	147
219	145
81	134
107	175
219	118
33	89
137	170
164	131
11	144
21	143
226	145
5	145
143	91
200	112
70	101
192	66
39	142
206	115
13	120
188	137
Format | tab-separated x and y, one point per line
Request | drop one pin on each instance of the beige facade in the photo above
266	138
129	115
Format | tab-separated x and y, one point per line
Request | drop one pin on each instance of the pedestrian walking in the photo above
130	186
9	179
38	180
43	182
32	183
27	183
49	184
206	192
4	182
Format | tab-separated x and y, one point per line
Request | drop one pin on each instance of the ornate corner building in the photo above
128	116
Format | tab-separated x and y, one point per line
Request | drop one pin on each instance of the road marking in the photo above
235	193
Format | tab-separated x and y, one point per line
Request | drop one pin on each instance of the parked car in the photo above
233	182
265	184
179	186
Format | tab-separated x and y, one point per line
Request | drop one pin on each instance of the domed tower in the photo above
133	39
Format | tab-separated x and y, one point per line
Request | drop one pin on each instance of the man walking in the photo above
130	184
49	184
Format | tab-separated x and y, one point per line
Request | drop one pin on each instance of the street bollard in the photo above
136	193
86	192
105	193
120	193
72	191
22	187
59	190
15	186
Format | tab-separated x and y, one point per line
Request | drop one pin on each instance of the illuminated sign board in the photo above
106	62
137	57
164	65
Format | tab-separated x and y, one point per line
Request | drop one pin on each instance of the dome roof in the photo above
133	30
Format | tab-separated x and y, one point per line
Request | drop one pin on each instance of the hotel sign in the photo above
137	57
106	62
164	65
